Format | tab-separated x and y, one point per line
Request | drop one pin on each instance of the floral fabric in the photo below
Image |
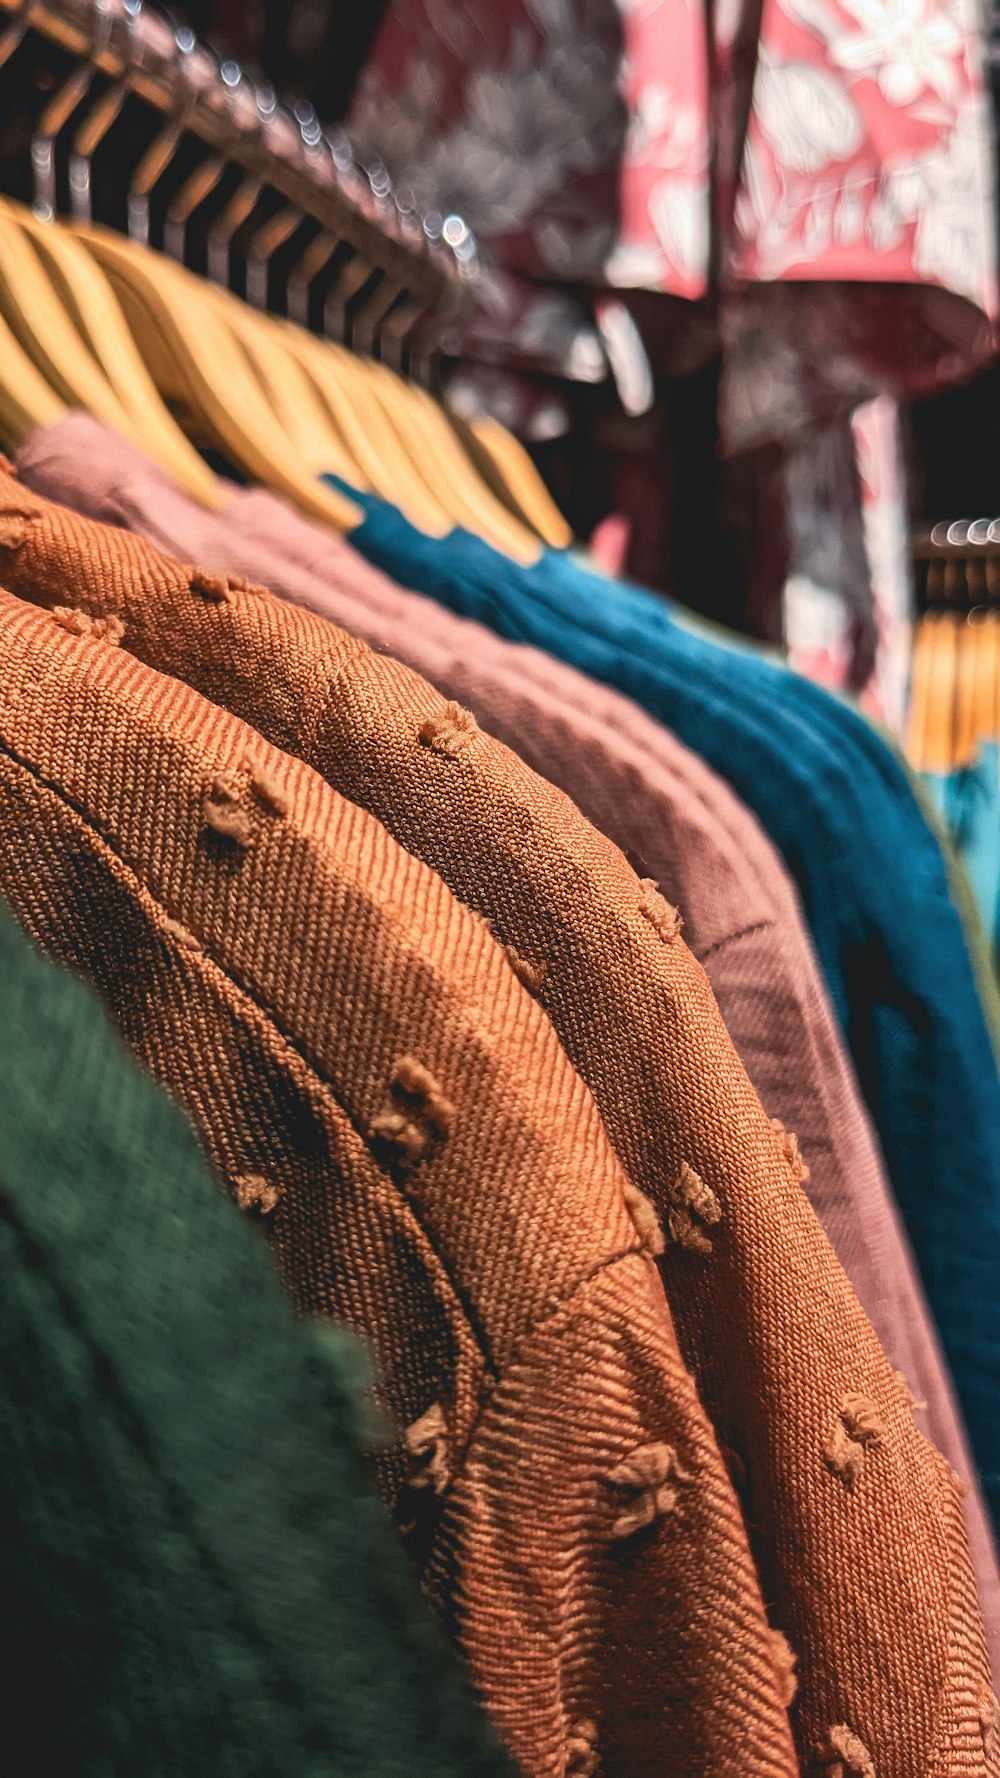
804	149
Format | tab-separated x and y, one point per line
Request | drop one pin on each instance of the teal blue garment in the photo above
198	1578
968	804
871	874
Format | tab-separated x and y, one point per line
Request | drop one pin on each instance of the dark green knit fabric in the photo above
196	1576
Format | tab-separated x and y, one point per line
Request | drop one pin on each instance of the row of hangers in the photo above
178	363
955	690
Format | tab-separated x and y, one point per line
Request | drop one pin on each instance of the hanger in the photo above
939	751
382	464
321	415
66	316
522	479
26	399
56	297
436	454
287	388
337	425
198	368
33	309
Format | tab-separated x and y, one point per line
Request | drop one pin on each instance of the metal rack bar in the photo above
311	169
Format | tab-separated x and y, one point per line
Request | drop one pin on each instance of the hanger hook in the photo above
161	151
304	273
17	30
371	314
200	184
99	119
196	189
397	332
240	205
263	246
274	233
61	107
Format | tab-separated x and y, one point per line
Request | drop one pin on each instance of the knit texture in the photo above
668	812
856	1520
197	1574
374	1083
874	885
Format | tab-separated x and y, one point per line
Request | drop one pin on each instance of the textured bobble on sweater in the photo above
858	1430
80	623
665	919
791	1151
843	1755
649	1477
530	975
427	1448
785	1660
253	1192
647	1223
693	1208
450	730
417	1112
582	1757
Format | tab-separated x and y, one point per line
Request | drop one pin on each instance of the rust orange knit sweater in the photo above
371	1078
855	1520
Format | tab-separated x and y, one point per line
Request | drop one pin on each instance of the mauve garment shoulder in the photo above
669	812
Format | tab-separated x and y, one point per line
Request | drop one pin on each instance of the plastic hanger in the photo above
382	462
33	310
26	400
45	282
199	369
287	388
942	686
523	480
433	448
985	621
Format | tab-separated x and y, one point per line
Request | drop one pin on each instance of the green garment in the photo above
197	1577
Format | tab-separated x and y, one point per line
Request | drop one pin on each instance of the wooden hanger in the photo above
365	431
38	308
199	369
89	299
286	386
523	480
27	400
438	457
329	413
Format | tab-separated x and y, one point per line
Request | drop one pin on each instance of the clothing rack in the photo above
957	564
253	192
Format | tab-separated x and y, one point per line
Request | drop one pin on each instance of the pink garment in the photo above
675	820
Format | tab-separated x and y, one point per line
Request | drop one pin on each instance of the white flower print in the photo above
636	265
954	242
679	212
805	116
905	45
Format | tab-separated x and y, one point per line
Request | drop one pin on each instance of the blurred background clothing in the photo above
720	242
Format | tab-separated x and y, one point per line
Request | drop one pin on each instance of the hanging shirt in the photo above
872	878
799	1395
